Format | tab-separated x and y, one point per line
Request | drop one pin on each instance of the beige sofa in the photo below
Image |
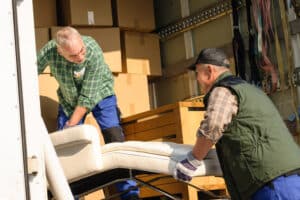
82	157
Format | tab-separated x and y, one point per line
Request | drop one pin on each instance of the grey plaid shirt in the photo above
82	84
222	107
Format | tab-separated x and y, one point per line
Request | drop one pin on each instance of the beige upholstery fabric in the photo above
79	151
158	157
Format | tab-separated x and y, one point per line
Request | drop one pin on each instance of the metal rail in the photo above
206	15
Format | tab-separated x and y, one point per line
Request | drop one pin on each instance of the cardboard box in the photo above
171	56
134	14
44	12
177	88
132	93
206	36
88	12
109	41
141	53
42	36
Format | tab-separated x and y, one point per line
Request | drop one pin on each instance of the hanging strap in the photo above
296	5
237	43
289	60
261	13
280	64
255	74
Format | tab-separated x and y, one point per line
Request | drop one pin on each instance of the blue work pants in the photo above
281	188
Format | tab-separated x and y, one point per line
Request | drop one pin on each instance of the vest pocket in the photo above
241	173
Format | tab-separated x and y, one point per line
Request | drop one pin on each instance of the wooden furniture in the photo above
178	123
174	122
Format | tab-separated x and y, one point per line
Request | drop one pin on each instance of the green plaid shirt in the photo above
82	84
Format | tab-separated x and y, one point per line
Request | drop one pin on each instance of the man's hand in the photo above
68	125
185	169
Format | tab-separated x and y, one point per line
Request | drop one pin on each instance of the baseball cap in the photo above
212	56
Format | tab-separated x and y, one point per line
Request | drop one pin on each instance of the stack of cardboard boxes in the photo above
123	31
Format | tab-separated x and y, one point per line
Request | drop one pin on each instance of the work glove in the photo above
185	169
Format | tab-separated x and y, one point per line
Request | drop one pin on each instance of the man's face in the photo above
74	53
205	76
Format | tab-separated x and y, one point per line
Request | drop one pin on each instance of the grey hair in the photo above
64	36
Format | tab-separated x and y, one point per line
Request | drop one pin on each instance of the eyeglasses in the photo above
80	53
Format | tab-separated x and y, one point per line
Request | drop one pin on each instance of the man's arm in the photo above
98	80
201	148
222	106
77	115
185	169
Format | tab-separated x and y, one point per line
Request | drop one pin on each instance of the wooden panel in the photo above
209	182
128	128
165	108
141	116
190	119
165	132
174	187
177	122
155	122
99	194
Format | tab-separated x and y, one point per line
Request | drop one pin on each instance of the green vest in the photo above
256	147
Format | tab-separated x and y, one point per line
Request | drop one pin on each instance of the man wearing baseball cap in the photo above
258	156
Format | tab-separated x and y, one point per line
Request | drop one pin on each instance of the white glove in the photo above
185	169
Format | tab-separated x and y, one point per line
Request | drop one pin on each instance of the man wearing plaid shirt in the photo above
258	156
85	85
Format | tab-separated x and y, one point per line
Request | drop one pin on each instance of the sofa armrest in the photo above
82	134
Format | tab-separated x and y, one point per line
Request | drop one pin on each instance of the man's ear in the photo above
59	50
210	71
